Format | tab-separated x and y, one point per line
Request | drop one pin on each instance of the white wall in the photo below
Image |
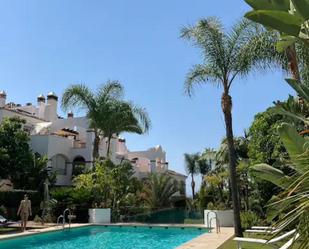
99	215
8	113
225	218
50	146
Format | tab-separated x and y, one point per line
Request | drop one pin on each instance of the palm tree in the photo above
192	168
226	55
123	117
96	105
205	162
204	166
158	191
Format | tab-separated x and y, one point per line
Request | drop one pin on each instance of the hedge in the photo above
11	200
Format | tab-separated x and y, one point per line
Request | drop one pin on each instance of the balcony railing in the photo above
79	145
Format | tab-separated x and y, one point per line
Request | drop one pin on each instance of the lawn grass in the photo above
230	244
4	230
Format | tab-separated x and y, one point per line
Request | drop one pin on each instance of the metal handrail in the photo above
218	228
58	219
207	218
69	217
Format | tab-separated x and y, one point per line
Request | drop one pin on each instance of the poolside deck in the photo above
209	240
38	230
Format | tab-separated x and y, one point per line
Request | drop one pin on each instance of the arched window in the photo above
59	164
79	164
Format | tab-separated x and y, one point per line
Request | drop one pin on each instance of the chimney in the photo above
52	102
2	98
70	115
41	106
41	99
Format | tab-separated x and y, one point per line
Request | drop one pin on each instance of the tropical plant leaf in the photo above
302	7
271	174
295	146
279	20
295	116
269	4
301	89
285	42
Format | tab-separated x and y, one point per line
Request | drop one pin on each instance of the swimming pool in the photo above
106	237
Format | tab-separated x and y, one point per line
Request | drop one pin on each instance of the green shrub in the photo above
78	200
11	200
249	219
3	211
37	219
216	206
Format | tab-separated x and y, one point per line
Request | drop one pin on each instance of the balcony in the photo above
79	144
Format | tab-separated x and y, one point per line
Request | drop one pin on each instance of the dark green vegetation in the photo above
114	186
228	55
270	162
18	162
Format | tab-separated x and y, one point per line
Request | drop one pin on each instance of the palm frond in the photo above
209	36
255	50
191	163
200	74
142	117
78	95
112	89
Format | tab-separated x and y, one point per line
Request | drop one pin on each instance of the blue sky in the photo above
48	45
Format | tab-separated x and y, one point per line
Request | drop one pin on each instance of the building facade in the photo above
68	142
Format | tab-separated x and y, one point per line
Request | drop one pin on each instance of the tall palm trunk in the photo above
292	60
108	146
96	143
192	185
226	104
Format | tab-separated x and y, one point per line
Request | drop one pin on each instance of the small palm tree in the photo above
204	166
123	117
192	168
158	191
108	113
226	55
94	103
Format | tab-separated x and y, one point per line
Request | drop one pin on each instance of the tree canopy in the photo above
18	162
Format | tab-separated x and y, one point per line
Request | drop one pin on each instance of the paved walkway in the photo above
38	230
209	240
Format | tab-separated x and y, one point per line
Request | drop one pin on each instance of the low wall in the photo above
99	215
225	218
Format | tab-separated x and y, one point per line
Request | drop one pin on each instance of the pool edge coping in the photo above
77	225
189	244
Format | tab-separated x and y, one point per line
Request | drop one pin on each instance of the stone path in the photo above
209	240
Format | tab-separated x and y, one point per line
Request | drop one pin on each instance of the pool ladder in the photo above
218	228
63	218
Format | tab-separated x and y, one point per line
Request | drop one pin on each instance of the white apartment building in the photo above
68	142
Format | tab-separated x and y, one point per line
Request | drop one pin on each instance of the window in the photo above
59	164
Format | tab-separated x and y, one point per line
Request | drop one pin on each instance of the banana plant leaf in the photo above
283	5
285	42
296	146
301	89
295	116
279	20
302	7
271	174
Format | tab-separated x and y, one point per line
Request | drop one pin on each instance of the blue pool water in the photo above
101	237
